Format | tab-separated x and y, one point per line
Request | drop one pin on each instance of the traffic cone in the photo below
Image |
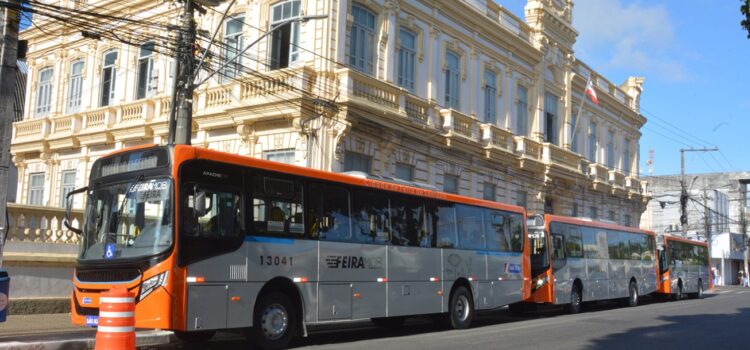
116	330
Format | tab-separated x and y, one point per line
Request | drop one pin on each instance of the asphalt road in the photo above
719	321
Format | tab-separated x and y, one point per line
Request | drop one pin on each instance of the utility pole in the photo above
184	87
9	22
683	185
743	219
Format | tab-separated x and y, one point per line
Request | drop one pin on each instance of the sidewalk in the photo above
55	331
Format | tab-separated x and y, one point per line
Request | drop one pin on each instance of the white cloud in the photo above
635	37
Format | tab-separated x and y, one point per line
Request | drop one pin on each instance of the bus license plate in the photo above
92	321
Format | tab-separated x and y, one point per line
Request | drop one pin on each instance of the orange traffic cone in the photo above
116	330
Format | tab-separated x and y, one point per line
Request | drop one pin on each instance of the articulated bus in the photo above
683	267
576	260
211	241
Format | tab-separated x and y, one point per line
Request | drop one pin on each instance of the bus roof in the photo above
588	223
684	240
203	153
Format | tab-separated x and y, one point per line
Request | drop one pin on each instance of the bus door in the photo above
559	262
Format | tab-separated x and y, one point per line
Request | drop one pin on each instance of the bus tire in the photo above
677	296
388	322
461	310
633	294
194	336
576	300
274	322
699	293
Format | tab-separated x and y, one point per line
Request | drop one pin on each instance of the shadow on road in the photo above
711	331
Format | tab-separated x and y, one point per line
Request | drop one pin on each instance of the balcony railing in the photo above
31	223
497	138
528	148
553	154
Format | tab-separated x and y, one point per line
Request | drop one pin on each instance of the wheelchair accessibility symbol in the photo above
109	252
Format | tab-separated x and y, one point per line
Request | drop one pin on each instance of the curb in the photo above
142	338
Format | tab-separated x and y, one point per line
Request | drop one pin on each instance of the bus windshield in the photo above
128	220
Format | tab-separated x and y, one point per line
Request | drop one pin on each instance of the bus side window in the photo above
517	232
573	243
277	207
498	239
558	247
408	222
371	217
328	213
220	216
470	227
443	218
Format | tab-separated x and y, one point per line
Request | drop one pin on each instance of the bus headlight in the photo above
539	283
152	283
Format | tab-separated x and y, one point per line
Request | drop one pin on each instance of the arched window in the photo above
407	52
109	75
362	40
44	92
75	86
285	42
145	85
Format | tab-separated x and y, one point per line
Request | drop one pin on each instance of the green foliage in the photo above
745	10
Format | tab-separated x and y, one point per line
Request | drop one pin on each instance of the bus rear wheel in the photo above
678	295
576	301
461	310
274	322
633	294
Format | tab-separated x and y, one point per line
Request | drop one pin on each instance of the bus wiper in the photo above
124	201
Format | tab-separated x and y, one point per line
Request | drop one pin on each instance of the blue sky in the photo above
696	61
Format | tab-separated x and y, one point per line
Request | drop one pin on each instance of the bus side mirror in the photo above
69	209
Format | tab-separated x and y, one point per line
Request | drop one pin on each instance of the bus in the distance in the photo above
683	268
213	241
575	260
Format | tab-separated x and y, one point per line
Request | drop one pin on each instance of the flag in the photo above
591	92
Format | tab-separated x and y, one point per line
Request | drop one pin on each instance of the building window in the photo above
611	215
489	192
550	118
521	199
285	43
522	111
67	185
592	142
354	161
452	77
626	157
362	40
549	206
232	48
611	149
594	212
75	88
574	211
404	171
36	189
626	219
407	52
44	92
109	77
450	183
281	156
490	96
145	85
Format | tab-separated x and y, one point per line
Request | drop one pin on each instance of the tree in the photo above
745	10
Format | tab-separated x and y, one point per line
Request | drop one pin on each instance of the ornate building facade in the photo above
461	95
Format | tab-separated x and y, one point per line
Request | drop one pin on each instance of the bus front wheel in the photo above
575	301
274	322
633	295
461	309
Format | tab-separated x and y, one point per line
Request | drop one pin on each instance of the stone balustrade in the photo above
497	138
599	173
31	223
528	148
554	154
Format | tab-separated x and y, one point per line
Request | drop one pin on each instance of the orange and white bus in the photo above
575	260
213	241
684	267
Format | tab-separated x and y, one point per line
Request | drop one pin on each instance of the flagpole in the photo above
578	116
